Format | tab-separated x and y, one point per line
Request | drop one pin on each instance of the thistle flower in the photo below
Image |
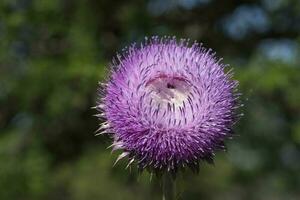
168	105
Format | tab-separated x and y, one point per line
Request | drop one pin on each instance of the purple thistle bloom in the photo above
168	105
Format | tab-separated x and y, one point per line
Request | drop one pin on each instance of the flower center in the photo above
170	86
169	102
169	89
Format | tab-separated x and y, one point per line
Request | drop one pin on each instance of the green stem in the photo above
168	187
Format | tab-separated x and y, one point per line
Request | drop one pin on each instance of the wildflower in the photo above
168	105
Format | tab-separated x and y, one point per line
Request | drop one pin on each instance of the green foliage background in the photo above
54	52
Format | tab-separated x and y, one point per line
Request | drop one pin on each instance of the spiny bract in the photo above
168	105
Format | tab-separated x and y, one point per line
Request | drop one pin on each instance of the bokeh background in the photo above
54	52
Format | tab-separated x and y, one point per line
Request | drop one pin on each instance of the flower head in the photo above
168	105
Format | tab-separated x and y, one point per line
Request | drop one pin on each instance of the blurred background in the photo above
54	52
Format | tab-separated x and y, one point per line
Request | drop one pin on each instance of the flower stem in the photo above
168	187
